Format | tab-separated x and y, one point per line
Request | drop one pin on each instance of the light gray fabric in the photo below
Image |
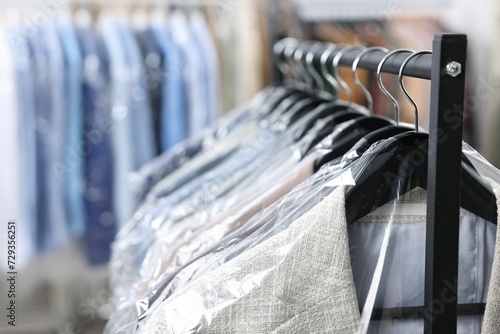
491	320
299	281
402	284
403	275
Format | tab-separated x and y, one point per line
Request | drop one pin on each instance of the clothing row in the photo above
87	101
294	214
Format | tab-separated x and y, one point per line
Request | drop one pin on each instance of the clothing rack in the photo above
446	70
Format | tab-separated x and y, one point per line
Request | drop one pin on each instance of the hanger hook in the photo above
288	52
336	61
366	93
298	55
403	88
310	54
381	84
301	58
279	49
324	59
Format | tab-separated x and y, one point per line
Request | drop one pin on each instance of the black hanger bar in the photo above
419	67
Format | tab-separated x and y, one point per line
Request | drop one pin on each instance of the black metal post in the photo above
443	184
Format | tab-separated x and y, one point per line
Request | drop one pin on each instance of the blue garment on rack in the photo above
122	118
175	122
141	117
49	124
207	49
154	68
58	209
74	164
101	222
194	73
26	101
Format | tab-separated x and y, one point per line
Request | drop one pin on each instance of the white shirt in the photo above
10	149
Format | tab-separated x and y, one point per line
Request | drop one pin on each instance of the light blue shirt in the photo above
28	167
206	48
194	73
122	118
140	108
58	209
52	232
174	115
74	176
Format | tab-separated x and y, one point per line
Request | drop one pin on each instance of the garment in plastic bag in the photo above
292	200
267	184
126	252
275	292
217	142
133	239
401	281
240	240
278	282
171	232
205	188
483	166
217	301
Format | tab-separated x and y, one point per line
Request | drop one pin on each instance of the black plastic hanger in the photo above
341	142
299	103
299	109
346	136
327	126
275	95
399	165
281	98
470	177
304	56
391	171
386	132
342	111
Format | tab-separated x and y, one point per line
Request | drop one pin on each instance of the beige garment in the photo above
249	50
491	320
209	235
298	281
241	50
266	42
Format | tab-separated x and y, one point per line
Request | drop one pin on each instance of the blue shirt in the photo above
52	232
25	93
121	117
99	196
74	181
194	73
174	120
